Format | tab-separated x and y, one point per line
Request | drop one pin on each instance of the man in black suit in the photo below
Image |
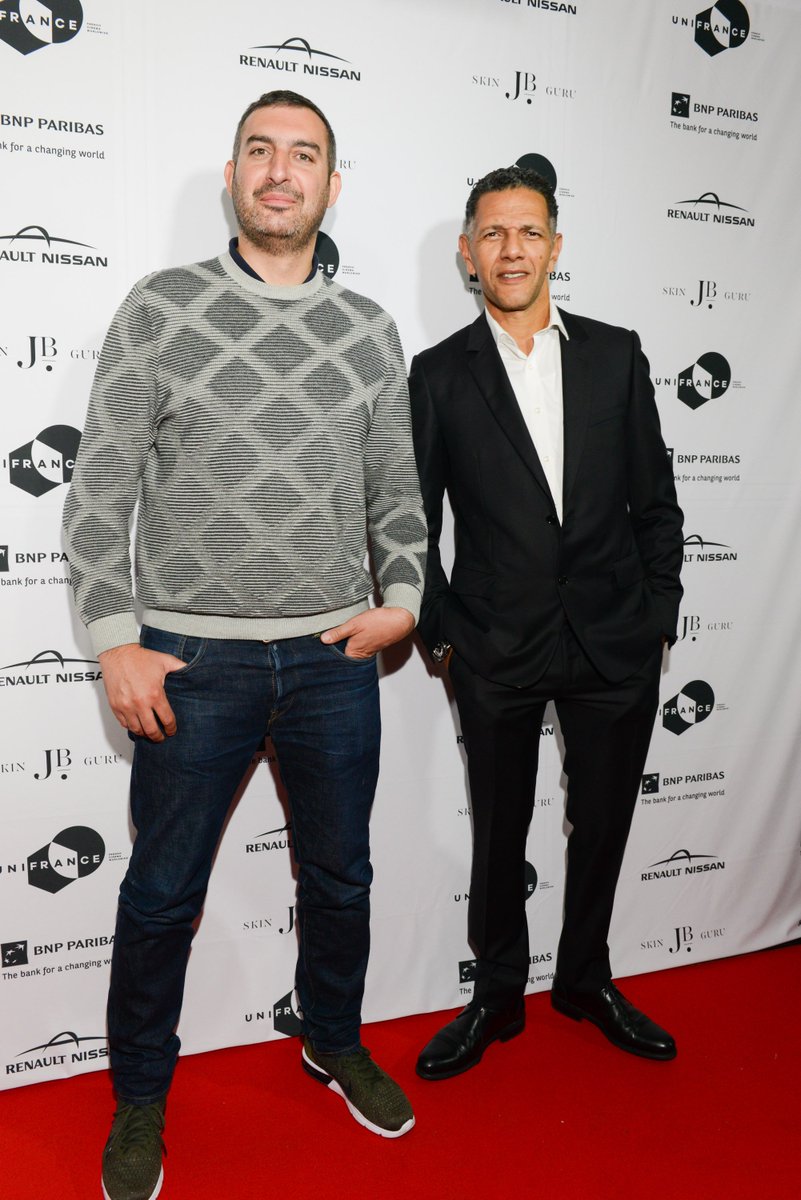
543	429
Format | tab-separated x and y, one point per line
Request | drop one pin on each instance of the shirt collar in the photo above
502	338
233	250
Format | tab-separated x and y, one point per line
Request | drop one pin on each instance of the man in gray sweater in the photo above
257	413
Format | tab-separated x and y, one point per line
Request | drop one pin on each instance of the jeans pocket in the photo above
338	648
189	649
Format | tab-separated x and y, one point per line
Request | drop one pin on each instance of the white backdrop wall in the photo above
666	125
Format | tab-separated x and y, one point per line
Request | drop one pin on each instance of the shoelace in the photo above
136	1124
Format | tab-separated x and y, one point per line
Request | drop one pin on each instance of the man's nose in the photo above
279	165
512	245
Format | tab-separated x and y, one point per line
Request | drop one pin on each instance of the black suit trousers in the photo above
606	730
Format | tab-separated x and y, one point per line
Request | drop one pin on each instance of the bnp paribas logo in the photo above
28	25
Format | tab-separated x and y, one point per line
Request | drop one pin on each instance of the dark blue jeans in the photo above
321	711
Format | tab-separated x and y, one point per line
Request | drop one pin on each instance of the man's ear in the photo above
335	187
230	167
464	250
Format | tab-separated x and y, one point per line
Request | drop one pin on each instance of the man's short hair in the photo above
286	99
504	179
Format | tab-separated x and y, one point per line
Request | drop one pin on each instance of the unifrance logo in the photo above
692	705
704	380
73	854
540	164
28	25
530	884
327	255
46	461
724	26
287	1017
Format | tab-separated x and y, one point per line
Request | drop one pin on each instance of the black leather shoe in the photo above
617	1019
460	1044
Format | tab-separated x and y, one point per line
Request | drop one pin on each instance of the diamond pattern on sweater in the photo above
253	430
180	286
189	353
366	360
282	350
237	383
226	536
328	323
327	382
233	315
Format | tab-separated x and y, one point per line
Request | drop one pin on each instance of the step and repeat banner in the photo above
668	130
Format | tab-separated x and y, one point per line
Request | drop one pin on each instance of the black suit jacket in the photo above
611	567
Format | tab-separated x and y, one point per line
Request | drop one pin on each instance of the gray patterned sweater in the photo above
263	432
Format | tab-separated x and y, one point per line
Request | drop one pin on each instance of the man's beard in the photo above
254	221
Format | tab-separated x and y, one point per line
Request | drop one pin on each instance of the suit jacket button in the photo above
562	580
551	519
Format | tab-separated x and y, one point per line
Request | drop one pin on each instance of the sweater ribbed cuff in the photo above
403	595
120	629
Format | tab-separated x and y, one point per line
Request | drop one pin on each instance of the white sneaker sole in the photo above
328	1081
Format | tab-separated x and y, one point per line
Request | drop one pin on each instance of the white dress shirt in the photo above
536	380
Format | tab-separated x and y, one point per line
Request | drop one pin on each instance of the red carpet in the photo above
557	1112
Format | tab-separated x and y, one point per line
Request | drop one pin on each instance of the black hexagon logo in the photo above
692	705
327	255
724	26
73	854
46	461
28	25
539	163
704	380
286	1018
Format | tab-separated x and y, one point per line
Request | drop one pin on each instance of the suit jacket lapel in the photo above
576	398
484	363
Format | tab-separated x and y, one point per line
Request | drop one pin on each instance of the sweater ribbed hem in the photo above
121	629
255	629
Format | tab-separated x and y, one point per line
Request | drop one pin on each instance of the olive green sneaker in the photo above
132	1167
373	1099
